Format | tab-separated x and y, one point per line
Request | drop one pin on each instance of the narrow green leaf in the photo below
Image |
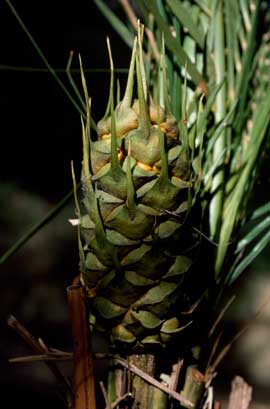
71	80
212	169
244	76
143	10
256	231
189	47
216	204
176	81
250	257
211	99
180	11
227	121
212	25
36	227
44	59
162	10
244	6
261	211
257	136
231	38
176	94
205	6
173	45
17	68
126	35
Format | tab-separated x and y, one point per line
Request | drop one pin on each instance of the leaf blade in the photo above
249	258
116	23
186	20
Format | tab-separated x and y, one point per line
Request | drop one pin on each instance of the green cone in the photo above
136	177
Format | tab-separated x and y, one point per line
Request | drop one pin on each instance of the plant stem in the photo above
151	380
83	379
194	386
143	392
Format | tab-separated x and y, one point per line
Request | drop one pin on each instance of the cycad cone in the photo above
136	178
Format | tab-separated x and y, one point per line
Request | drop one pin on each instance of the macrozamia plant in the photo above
167	180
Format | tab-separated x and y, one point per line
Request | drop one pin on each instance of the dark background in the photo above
40	135
42	128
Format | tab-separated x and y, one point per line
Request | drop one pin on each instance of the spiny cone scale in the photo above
136	247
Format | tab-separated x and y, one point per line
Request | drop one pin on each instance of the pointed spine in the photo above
86	165
100	232
108	108
164	173
86	133
114	156
130	186
86	97
143	74
126	102
144	122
